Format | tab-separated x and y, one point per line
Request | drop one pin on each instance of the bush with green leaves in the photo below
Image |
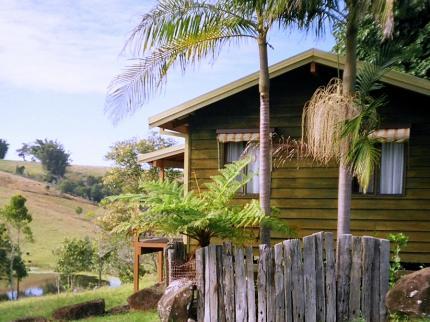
15	230
90	188
399	241
19	170
4	146
79	210
204	215
74	255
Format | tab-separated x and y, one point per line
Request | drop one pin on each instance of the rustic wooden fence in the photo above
295	281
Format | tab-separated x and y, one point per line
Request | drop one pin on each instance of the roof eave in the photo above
395	78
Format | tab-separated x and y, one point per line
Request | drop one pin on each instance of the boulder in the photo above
173	305
80	311
146	299
411	294
32	319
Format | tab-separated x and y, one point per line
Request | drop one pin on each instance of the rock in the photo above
146	299
411	294
80	311
32	319
175	300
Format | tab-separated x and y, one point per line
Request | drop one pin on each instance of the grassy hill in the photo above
34	169
54	216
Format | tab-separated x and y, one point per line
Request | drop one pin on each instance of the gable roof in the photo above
395	78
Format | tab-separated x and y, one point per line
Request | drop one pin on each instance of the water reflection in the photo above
41	284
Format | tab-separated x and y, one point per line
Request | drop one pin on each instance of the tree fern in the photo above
166	210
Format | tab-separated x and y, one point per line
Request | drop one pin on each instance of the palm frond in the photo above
146	76
175	33
370	74
383	11
364	156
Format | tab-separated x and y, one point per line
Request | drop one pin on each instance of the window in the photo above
232	152
388	178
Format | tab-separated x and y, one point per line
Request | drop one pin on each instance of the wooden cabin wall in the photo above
305	193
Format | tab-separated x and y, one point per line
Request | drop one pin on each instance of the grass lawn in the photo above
44	306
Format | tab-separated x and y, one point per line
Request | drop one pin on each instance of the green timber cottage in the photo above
217	125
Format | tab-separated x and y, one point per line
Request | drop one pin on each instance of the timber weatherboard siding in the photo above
305	193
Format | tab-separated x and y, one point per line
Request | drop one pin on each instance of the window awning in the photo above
237	137
391	135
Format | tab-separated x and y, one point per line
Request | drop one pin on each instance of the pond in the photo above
39	284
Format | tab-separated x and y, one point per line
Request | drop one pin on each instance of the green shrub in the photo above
90	215
78	210
19	170
399	241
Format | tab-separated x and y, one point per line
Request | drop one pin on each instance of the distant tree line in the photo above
91	188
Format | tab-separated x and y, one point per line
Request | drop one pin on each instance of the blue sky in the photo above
58	56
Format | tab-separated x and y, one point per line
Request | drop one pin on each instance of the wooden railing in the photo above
295	281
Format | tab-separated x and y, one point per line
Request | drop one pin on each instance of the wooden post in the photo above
279	283
343	274
250	287
160	266
136	270
309	278
355	294
200	279
228	281
241	300
330	278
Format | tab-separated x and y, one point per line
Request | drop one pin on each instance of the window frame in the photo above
377	179
222	162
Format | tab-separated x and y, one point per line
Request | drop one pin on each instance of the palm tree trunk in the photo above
264	171
345	175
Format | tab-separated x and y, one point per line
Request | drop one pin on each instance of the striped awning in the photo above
391	135
238	137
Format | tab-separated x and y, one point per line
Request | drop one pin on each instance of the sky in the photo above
57	58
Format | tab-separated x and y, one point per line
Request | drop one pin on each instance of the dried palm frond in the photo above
322	121
288	149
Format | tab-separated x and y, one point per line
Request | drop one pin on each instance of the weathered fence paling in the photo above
296	281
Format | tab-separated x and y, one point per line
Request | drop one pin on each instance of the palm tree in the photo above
340	96
184	32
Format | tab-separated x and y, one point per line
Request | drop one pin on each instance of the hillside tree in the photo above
4	146
52	155
24	151
16	220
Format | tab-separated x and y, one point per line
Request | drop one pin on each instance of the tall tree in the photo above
52	155
328	142
411	38
127	172
16	220
4	146
184	32
356	11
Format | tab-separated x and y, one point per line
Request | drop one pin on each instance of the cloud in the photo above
67	46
